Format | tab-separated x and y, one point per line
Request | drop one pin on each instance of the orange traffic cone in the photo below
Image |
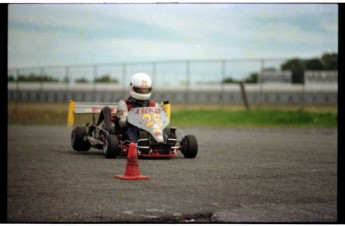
132	167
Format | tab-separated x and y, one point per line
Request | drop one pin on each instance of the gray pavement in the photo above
239	175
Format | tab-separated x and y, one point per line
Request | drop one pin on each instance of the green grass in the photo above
56	114
254	118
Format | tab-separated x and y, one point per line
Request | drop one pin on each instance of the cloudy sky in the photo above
60	34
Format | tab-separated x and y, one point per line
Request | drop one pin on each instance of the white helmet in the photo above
140	86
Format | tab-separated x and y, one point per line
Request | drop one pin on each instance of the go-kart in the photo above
156	140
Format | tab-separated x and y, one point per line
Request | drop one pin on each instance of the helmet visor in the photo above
142	90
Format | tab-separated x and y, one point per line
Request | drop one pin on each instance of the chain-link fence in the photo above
180	80
164	73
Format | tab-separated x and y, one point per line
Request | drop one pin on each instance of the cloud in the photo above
42	34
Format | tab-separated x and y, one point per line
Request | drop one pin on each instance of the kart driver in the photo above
140	89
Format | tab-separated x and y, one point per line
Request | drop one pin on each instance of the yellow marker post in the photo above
70	117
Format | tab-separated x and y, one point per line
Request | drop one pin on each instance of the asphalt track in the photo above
239	175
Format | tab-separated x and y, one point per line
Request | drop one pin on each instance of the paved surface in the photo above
239	175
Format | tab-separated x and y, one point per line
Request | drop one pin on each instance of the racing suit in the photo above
131	132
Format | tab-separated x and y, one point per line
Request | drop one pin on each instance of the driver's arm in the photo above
122	113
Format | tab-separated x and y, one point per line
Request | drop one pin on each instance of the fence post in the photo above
222	82
187	80
94	82
124	73
244	95
17	85
67	84
154	75
41	84
303	88
262	61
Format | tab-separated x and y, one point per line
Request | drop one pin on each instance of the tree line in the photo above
47	78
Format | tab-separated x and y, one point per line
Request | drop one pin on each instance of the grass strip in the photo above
254	118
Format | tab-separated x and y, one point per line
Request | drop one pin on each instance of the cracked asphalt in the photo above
240	175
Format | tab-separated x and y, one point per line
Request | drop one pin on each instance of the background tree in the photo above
11	78
297	67
229	80
252	78
270	69
106	79
81	80
36	78
330	61
313	64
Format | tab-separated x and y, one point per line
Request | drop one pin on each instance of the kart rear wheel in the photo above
111	146
77	139
189	146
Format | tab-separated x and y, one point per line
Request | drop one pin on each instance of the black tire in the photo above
77	139
189	146
111	146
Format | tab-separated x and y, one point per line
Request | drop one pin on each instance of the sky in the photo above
65	34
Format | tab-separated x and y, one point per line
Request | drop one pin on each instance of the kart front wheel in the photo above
189	146
77	139
111	146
